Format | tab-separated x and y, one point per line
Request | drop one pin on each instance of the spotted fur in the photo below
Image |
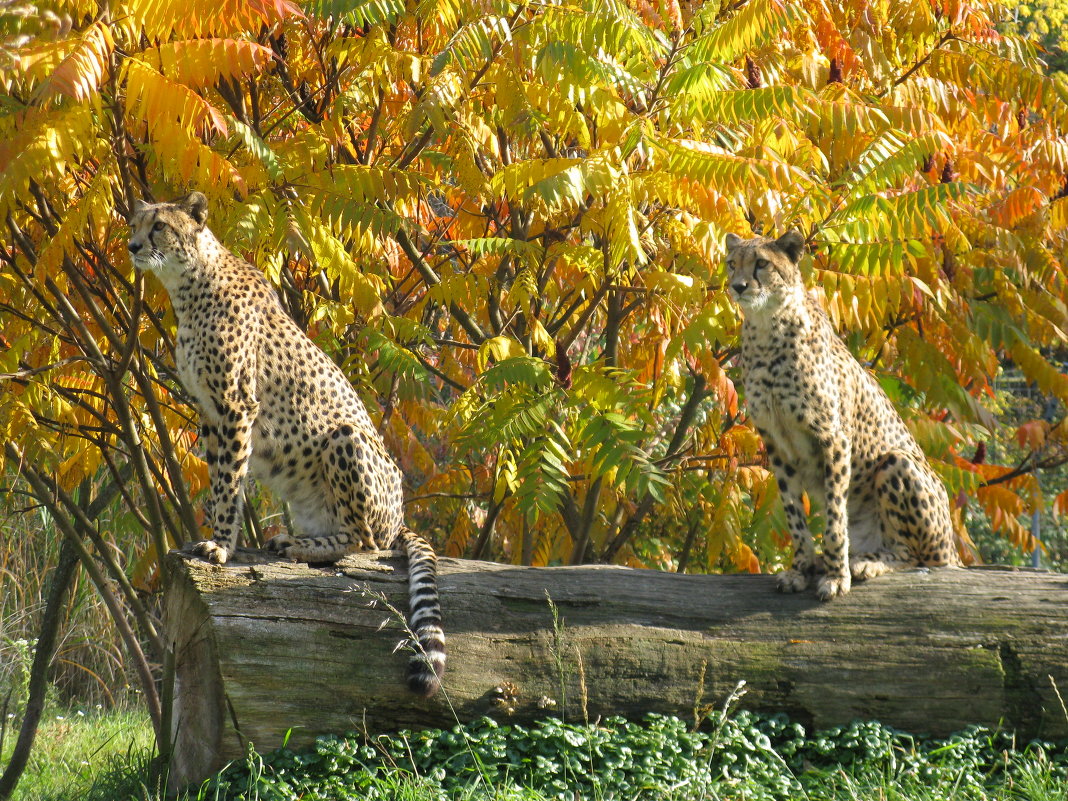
272	402
830	431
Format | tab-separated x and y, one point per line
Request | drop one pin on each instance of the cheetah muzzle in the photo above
272	402
830	431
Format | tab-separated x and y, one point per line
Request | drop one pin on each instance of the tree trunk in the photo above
266	646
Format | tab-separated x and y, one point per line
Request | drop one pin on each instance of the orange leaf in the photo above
161	101
1032	434
1060	503
79	75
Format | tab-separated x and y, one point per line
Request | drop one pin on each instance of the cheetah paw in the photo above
864	569
210	551
831	587
792	581
280	544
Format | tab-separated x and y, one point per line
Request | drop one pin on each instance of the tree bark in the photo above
268	647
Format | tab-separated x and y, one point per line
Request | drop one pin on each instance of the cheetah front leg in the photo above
836	473
806	565
228	446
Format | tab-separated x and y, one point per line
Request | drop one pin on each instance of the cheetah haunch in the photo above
271	401
830	431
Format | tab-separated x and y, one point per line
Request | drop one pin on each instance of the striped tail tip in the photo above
427	666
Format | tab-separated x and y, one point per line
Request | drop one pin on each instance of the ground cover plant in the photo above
743	756
746	756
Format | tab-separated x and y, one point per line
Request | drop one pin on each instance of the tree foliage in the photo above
505	220
1044	22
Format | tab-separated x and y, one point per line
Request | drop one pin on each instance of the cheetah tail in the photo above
424	616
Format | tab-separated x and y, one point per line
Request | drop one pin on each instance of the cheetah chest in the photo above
779	391
777	404
195	371
792	442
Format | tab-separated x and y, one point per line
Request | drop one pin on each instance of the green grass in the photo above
76	748
89	667
105	757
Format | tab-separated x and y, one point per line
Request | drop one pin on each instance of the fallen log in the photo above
268	647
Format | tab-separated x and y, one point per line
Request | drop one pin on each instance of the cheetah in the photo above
272	402
831	431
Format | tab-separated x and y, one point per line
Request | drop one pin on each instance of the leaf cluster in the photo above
758	756
505	220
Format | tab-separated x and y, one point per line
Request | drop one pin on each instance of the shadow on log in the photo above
267	646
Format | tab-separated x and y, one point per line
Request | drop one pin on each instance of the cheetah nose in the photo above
134	246
739	287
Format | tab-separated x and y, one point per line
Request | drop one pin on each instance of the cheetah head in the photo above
762	272
163	236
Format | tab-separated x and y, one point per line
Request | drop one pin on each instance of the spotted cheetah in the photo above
830	431
271	401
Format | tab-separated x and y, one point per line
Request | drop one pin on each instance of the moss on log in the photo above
266	646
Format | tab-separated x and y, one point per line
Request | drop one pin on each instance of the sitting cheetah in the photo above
831	431
272	401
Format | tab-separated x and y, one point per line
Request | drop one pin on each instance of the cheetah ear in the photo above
732	241
196	206
792	244
136	207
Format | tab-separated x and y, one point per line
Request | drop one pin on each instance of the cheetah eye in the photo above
761	264
159	226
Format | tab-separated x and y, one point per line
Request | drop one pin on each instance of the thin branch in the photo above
686	417
62	580
486	531
440	373
29	372
462	317
133	647
584	318
464	496
372	128
1029	464
452	343
946	37
405	158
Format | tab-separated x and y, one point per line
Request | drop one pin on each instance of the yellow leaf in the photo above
44	144
542	339
505	481
161	101
94	202
498	349
37	61
201	18
201	62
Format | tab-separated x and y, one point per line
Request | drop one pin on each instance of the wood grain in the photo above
268	646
